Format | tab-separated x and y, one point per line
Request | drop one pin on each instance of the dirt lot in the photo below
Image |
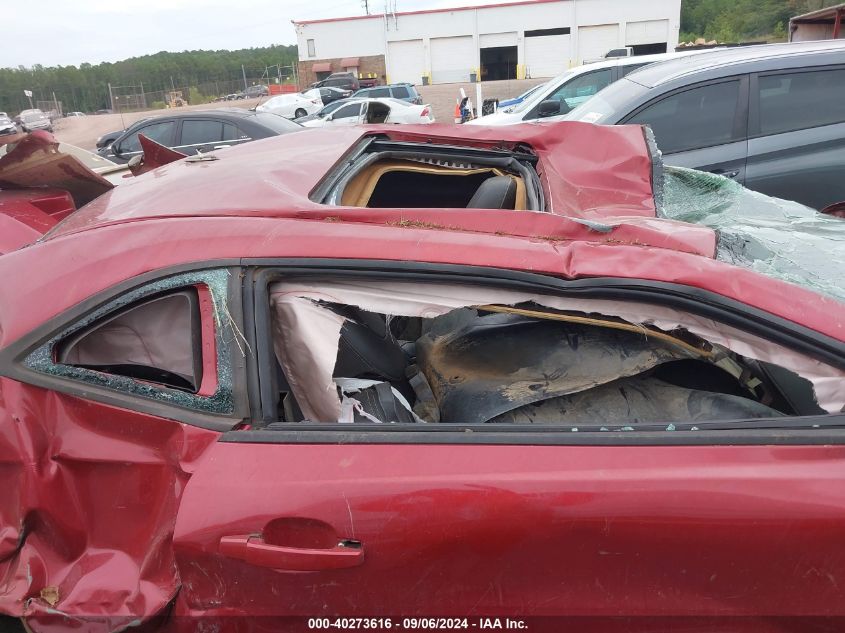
442	96
84	131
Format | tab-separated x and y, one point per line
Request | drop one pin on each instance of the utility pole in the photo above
244	74
366	5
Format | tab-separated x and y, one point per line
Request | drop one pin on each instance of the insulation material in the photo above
155	334
777	238
309	358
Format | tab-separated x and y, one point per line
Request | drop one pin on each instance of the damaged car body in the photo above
525	358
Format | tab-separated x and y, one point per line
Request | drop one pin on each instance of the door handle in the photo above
727	174
253	550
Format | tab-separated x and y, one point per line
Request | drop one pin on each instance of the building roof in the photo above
425	11
828	13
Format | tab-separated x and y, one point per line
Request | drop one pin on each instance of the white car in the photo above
377	110
576	85
291	105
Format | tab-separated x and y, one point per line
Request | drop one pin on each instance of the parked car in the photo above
327	95
424	371
344	81
7	126
256	91
290	106
360	111
771	117
402	91
35	119
323	112
198	131
567	90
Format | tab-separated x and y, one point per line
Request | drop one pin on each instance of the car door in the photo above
363	520
162	132
703	126
132	386
797	135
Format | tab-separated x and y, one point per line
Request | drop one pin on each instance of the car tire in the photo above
299	113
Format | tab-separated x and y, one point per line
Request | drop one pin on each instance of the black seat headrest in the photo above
498	192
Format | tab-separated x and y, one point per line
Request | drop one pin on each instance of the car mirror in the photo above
550	107
115	149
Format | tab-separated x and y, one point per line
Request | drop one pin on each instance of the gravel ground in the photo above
84	131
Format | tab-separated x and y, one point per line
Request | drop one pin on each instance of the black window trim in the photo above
740	123
263	387
12	357
754	99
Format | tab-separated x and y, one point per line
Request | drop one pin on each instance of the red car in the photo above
462	373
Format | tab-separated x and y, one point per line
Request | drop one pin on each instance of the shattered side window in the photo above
149	341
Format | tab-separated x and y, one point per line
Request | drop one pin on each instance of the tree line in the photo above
743	20
85	88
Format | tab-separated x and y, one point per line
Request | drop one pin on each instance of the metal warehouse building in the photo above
515	40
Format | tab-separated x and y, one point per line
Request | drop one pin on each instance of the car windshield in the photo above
538	95
334	105
32	117
604	106
314	93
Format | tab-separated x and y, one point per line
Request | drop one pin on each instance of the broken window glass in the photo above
146	343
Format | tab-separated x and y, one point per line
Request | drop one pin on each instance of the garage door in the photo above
405	61
452	59
595	41
647	32
547	56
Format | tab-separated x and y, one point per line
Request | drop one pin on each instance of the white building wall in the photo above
341	38
369	36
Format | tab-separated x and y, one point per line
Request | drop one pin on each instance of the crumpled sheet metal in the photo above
63	564
777	238
37	162
309	362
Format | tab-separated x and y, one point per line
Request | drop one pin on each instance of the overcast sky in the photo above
63	32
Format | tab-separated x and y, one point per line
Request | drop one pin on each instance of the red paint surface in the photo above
118	514
90	495
528	530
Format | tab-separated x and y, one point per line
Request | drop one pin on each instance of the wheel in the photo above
299	112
